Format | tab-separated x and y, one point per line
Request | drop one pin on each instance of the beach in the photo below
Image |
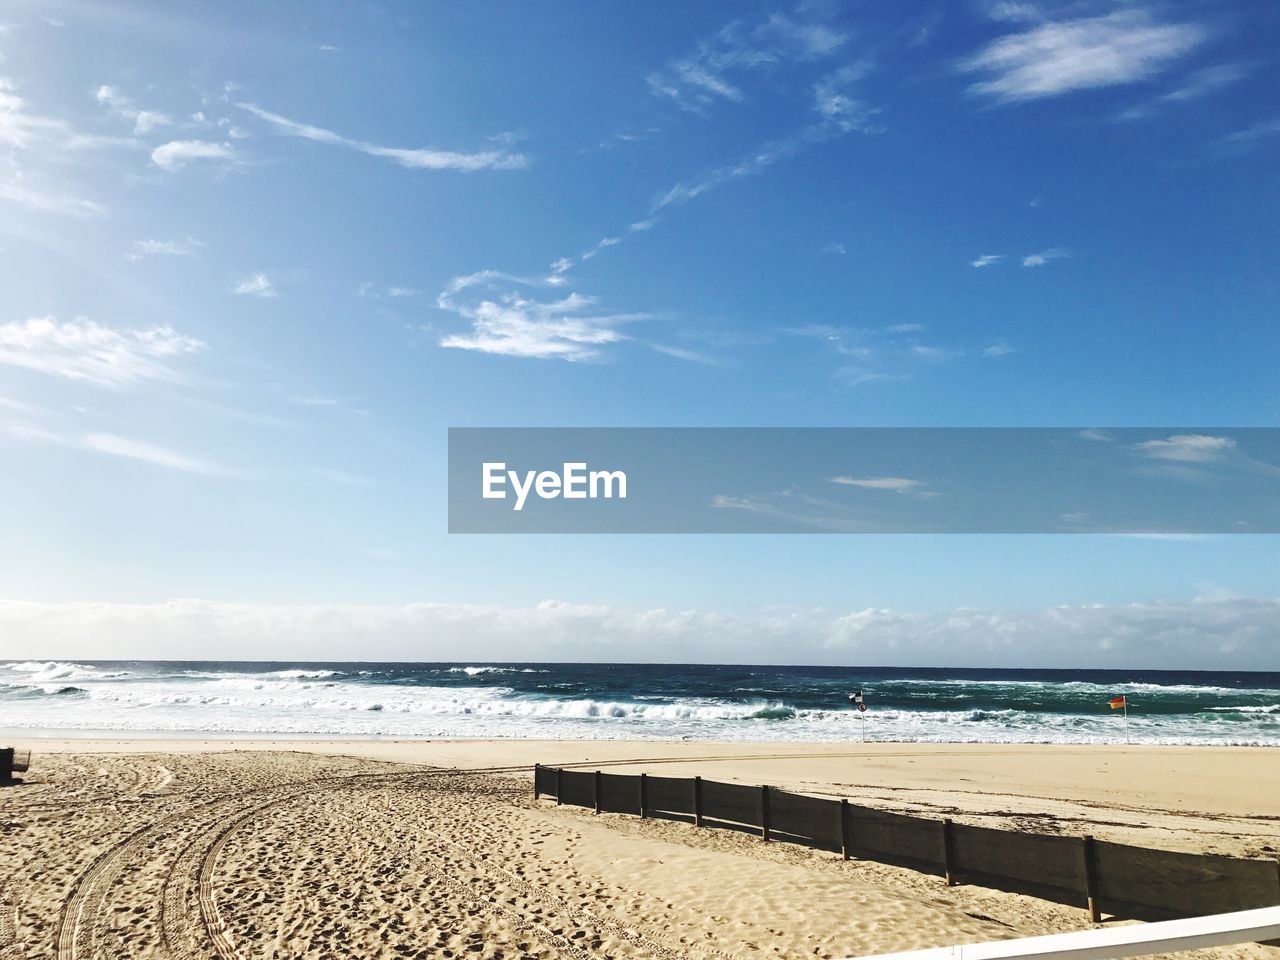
116	847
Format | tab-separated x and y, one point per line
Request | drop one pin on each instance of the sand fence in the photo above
1097	875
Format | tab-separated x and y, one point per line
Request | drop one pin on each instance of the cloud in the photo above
1239	633
342	477
255	285
680	353
164	248
144	121
1000	348
150	453
413	159
1097	436
1043	257
1253	133
117	446
86	351
1054	58
892	484
16	191
1188	448
176	154
838	249
1201	83
710	74
986	260
905	328
834	102
506	322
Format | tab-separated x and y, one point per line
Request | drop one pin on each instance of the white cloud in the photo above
414	159
710	74
999	348
176	154
83	350
893	484
986	260
1043	257
1188	448
342	477
905	328
1238	633
1094	434
144	121
255	285
16	191
164	248
838	249
834	102
152	454
1203	82
509	323
1050	59
680	353
1257	131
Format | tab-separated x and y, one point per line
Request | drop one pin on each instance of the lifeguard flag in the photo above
1117	703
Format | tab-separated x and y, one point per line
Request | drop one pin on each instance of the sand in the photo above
238	849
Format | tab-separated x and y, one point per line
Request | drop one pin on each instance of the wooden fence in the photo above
1103	877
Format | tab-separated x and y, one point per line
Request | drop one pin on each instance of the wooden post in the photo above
6	765
597	790
559	790
537	769
846	847
948	853
697	801
644	796
764	814
1091	879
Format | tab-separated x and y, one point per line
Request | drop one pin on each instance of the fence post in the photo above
597	791
845	845
764	814
559	787
537	769
1091	879
697	801
644	796
948	853
6	765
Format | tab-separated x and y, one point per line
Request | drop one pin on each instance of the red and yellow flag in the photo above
1117	703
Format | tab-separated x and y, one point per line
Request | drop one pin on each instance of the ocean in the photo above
639	702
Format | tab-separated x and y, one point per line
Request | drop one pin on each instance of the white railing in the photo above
1167	936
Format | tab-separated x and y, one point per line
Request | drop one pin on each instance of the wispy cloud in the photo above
83	350
414	159
342	477
710	74
986	260
1043	257
176	154
152	454
680	353
901	485
1000	348
15	190
255	285
1054	58
143	121
509	323
164	248
1188	448
838	249
1254	133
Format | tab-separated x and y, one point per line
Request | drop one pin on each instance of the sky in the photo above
256	261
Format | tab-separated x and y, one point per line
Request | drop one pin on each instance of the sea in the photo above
638	702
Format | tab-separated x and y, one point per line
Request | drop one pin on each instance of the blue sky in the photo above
255	261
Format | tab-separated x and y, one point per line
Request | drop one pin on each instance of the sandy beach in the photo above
257	849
